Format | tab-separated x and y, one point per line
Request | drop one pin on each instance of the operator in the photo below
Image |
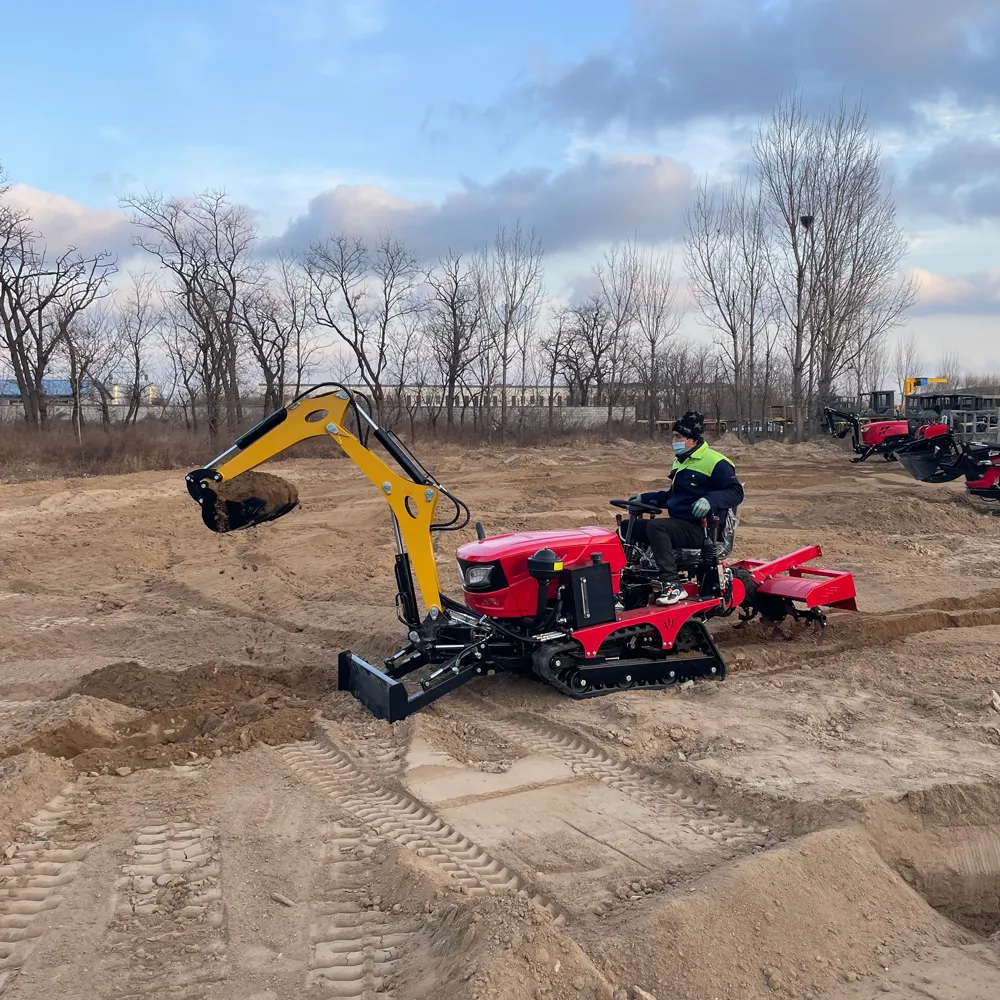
702	483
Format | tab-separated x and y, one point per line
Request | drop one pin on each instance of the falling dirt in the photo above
189	807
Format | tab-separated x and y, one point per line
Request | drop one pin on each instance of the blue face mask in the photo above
679	447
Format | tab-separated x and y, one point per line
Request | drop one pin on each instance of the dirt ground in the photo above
188	807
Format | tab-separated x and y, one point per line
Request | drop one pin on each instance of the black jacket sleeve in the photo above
726	490
657	499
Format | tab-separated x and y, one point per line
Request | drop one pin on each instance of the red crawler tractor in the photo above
942	459
570	607
879	437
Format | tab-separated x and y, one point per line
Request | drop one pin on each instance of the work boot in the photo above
671	593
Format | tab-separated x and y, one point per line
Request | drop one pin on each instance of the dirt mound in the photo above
129	683
27	782
205	710
789	922
507	948
66	727
945	842
932	513
463	739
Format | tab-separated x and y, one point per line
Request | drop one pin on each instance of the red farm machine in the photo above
569	607
879	436
943	459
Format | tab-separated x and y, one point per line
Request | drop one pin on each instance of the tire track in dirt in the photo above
170	921
407	821
33	872
354	951
705	818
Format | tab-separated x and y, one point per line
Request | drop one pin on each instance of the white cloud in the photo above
595	201
977	294
64	222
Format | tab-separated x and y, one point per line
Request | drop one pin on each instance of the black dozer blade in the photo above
933	460
223	515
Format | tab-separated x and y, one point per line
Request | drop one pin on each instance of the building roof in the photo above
50	386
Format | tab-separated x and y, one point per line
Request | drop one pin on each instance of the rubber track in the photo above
398	817
704	818
33	874
171	907
353	950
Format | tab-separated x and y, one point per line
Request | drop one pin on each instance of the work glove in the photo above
634	497
701	508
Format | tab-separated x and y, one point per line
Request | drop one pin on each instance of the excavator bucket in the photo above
248	499
933	460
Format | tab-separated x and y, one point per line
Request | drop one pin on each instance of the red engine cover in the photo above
519	599
931	430
876	433
990	480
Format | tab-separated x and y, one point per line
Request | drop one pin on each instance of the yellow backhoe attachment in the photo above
413	497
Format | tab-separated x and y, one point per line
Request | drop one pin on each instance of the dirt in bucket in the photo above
273	490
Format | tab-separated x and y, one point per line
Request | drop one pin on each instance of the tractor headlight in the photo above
478	576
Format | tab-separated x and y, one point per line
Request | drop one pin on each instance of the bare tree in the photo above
183	353
658	318
514	287
585	355
40	297
727	264
905	361
785	154
835	248
363	296
456	313
205	244
551	350
93	352
290	291
620	277
860	294
135	318
950	367
275	316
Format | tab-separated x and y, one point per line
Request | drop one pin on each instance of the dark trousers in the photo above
663	535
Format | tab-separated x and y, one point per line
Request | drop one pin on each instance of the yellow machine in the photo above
911	385
413	501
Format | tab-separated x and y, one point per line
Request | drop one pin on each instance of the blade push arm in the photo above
413	497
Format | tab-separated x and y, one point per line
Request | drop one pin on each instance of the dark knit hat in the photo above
691	425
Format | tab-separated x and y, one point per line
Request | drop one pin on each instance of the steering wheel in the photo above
636	506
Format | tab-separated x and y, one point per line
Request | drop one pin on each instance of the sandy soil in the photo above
188	807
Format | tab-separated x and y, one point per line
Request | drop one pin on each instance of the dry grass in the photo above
55	453
154	445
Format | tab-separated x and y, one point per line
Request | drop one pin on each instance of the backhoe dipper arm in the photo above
413	497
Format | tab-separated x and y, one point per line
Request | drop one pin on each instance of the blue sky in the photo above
298	94
591	120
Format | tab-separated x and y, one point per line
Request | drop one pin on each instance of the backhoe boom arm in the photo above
413	497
